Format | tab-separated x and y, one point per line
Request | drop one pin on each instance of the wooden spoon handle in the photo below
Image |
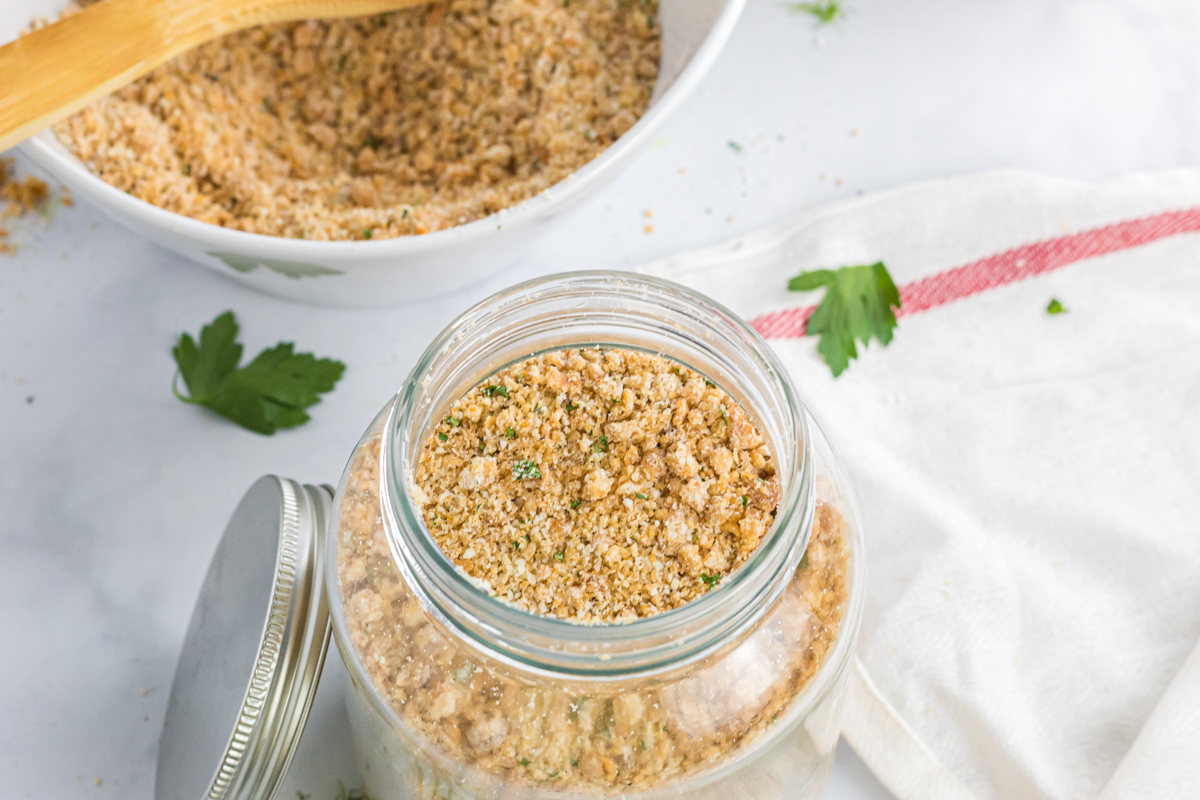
57	70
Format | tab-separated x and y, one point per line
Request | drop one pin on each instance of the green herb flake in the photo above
641	496
353	794
823	11
600	445
642	744
492	391
511	433
575	761
1055	307
575	504
268	394
857	305
525	470
442	437
724	416
745	501
559	556
734	146
571	406
709	384
710	580
524	762
366	233
452	422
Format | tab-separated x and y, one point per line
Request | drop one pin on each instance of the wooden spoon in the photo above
54	71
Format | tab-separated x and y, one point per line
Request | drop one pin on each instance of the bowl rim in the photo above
52	156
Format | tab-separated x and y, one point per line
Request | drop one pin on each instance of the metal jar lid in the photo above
253	651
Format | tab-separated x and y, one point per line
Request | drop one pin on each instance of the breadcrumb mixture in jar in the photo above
382	126
594	547
556	735
597	484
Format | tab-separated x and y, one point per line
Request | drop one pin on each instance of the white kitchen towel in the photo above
1029	483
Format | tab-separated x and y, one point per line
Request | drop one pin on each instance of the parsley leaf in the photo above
523	470
710	580
269	393
1056	307
823	11
858	305
492	391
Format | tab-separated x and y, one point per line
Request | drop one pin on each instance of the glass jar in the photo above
455	694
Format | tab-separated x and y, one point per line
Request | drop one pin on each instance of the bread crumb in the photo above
398	124
529	732
580	467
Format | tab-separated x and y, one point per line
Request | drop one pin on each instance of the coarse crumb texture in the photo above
18	198
380	126
597	484
538	731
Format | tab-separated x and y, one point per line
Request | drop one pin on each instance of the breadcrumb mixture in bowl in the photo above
382	126
252	159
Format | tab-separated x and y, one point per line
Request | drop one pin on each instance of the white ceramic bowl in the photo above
410	268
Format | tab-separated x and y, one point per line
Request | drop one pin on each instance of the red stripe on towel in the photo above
1007	267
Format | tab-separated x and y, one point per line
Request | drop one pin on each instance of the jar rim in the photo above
546	644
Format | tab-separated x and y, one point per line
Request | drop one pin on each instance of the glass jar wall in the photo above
455	694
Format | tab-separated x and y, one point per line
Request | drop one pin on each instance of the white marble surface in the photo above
112	493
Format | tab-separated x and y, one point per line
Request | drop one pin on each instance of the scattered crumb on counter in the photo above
18	197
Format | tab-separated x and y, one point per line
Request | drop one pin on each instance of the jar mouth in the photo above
607	309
